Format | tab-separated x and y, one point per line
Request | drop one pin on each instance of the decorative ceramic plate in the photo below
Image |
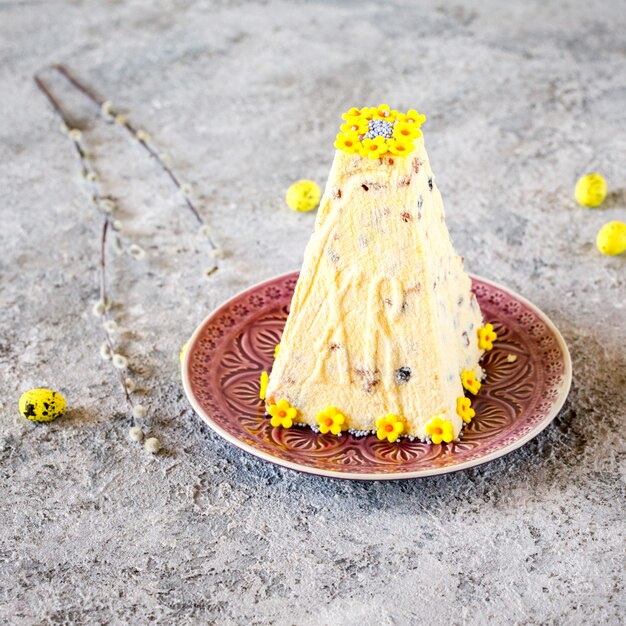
528	378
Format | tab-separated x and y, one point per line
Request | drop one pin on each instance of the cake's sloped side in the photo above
382	320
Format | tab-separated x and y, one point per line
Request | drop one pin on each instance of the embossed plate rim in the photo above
557	405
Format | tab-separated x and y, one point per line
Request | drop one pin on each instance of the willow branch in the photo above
65	119
140	137
106	216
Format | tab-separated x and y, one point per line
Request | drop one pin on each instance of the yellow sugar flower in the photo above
355	113
400	147
374	148
348	143
470	382
412	117
440	430
358	125
389	427
486	337
263	385
383	112
406	131
464	409
276	350
331	420
282	414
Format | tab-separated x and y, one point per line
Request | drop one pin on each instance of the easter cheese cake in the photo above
384	335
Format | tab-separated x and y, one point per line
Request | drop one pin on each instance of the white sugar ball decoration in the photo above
130	385
105	351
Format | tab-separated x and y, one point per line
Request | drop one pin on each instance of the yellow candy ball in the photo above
591	190
303	195
41	405
611	238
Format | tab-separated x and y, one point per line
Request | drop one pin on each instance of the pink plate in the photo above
528	377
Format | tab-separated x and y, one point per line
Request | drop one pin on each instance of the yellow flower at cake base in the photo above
349	143
263	385
591	190
470	382
331	420
412	117
486	337
303	196
464	409
276	350
389	427
400	147
406	131
440	430
282	414
374	148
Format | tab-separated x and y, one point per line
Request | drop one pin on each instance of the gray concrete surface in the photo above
522	98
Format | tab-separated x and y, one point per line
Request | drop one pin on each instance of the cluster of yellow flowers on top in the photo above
374	131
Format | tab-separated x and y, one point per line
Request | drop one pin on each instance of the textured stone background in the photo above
246	97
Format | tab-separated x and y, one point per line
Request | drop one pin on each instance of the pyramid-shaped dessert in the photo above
384	334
